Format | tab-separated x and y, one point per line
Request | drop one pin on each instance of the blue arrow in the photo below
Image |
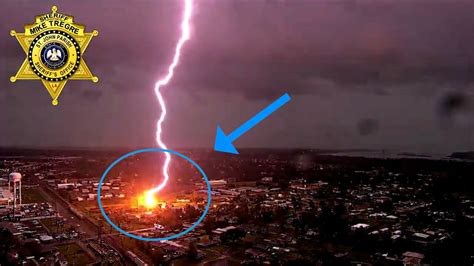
223	143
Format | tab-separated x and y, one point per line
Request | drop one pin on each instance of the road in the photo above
118	233
85	226
62	207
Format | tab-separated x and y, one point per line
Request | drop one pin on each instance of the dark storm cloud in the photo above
367	126
253	47
454	102
456	109
343	60
360	46
92	94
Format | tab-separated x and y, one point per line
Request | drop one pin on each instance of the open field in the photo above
75	255
50	224
32	195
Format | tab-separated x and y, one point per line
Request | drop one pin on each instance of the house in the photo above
412	258
355	227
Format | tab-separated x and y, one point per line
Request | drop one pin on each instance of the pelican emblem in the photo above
54	55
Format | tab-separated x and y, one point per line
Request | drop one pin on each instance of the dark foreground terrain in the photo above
270	207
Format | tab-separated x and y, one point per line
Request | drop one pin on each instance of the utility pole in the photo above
99	232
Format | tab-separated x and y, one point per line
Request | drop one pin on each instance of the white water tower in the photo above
14	179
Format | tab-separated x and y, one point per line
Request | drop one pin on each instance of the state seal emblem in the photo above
54	46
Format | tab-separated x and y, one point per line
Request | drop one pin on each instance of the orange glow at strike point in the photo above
147	200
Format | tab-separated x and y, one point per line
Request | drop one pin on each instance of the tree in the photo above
232	235
209	224
193	253
31	248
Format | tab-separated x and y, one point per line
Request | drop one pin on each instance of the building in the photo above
5	197
218	183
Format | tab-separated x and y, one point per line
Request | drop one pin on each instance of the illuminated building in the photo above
218	183
5	197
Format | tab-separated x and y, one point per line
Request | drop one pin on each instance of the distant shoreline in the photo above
12	152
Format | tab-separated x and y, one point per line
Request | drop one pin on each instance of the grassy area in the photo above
32	195
50	224
75	255
217	249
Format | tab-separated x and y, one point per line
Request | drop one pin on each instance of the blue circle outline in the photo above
156	238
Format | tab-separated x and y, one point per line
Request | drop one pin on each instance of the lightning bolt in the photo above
185	34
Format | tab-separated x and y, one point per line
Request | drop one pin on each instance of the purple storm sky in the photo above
363	74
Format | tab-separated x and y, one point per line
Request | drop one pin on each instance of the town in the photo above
289	207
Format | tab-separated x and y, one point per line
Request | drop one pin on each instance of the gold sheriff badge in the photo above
54	46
